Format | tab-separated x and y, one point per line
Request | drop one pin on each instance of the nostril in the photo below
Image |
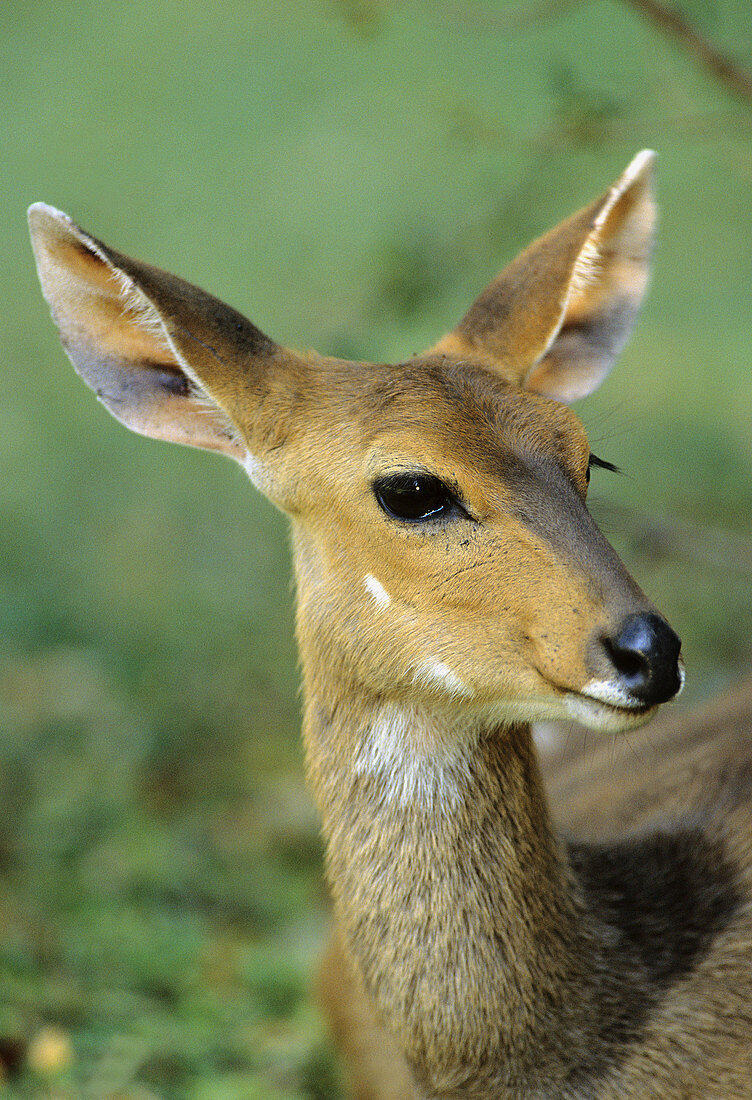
645	653
632	664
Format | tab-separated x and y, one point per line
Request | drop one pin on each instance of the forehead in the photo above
458	409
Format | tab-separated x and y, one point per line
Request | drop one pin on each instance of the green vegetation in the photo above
349	174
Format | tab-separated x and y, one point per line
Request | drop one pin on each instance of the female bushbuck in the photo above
452	588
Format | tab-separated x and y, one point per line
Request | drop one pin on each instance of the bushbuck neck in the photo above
454	897
451	588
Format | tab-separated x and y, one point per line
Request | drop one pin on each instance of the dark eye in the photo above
414	497
601	463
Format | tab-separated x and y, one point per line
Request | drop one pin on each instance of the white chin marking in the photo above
606	692
606	717
380	595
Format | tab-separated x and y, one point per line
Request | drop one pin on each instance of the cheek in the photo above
387	632
434	636
349	618
441	624
483	628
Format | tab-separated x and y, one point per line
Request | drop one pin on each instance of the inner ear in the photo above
559	314
118	342
126	357
605	290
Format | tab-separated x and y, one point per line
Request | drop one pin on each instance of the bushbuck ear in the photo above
558	315
167	359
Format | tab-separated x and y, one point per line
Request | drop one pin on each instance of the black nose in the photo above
645	653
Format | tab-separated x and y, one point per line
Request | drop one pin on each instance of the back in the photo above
663	847
696	763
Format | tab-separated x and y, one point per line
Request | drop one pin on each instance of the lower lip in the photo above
605	716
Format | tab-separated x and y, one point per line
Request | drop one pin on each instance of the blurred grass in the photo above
349	174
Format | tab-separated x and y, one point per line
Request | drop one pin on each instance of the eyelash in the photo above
601	464
399	495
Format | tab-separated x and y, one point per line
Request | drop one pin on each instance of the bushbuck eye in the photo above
414	497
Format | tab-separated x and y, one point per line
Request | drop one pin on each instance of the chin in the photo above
605	717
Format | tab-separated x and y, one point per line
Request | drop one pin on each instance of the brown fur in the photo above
480	951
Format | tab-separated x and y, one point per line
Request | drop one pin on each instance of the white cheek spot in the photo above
377	590
436	673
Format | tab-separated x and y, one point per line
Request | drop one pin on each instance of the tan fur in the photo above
479	951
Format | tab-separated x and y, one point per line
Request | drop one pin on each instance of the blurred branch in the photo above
476	127
667	537
521	17
672	23
362	17
667	19
702	127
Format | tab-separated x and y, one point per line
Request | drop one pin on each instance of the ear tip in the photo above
40	212
641	166
637	179
50	229
47	226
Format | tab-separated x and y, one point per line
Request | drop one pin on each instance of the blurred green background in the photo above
349	174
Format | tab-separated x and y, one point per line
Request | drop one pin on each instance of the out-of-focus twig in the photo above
665	536
563	136
520	17
666	18
673	23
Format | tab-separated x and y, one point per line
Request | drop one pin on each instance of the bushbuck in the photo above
452	589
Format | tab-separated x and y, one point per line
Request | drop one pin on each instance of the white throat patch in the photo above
256	471
417	757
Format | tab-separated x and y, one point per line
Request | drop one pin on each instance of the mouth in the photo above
606	706
606	717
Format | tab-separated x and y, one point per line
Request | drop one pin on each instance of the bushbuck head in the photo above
443	547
